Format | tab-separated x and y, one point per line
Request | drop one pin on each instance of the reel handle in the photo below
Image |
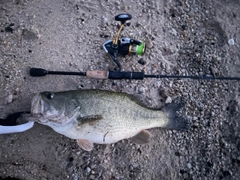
123	18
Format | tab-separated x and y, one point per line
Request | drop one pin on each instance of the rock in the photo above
231	42
238	158
88	170
9	98
157	84
92	177
142	61
189	165
141	90
195	118
105	34
168	100
9	28
173	32
163	93
201	90
149	43
29	35
184	27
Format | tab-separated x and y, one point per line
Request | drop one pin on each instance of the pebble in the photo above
171	84
29	35
168	100
92	177
142	61
9	98
195	118
157	84
201	90
105	34
173	32
88	169
163	93
149	43
141	90
231	42
189	165
104	19
212	113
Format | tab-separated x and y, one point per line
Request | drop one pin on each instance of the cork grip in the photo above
96	74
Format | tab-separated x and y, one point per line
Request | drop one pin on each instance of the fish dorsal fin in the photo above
85	144
88	119
142	137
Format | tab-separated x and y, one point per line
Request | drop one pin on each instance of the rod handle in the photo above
97	74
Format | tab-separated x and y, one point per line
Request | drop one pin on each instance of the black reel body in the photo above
125	46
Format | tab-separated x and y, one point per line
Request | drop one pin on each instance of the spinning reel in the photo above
123	46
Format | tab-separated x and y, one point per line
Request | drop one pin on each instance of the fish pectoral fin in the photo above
85	144
142	137
88	119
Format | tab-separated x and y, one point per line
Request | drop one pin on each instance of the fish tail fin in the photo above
175	121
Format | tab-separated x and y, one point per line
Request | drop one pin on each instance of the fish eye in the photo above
49	95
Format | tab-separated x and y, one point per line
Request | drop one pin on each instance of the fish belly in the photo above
109	130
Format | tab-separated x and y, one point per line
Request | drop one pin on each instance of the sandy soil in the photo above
184	38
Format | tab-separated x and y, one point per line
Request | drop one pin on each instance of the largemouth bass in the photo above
103	117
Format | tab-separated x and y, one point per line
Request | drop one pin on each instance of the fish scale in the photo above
140	118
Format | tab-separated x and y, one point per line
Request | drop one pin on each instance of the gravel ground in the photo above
183	38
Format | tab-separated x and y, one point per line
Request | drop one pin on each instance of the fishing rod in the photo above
101	74
123	47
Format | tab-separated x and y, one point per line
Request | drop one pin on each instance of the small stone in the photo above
168	100
9	29
195	118
195	125
92	177
173	32
29	35
157	84
189	165
9	98
177	153
201	90
184	27
88	169
163	93
105	34
171	84
141	90
149	43
142	61
231	42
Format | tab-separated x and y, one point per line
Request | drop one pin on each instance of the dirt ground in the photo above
184	38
